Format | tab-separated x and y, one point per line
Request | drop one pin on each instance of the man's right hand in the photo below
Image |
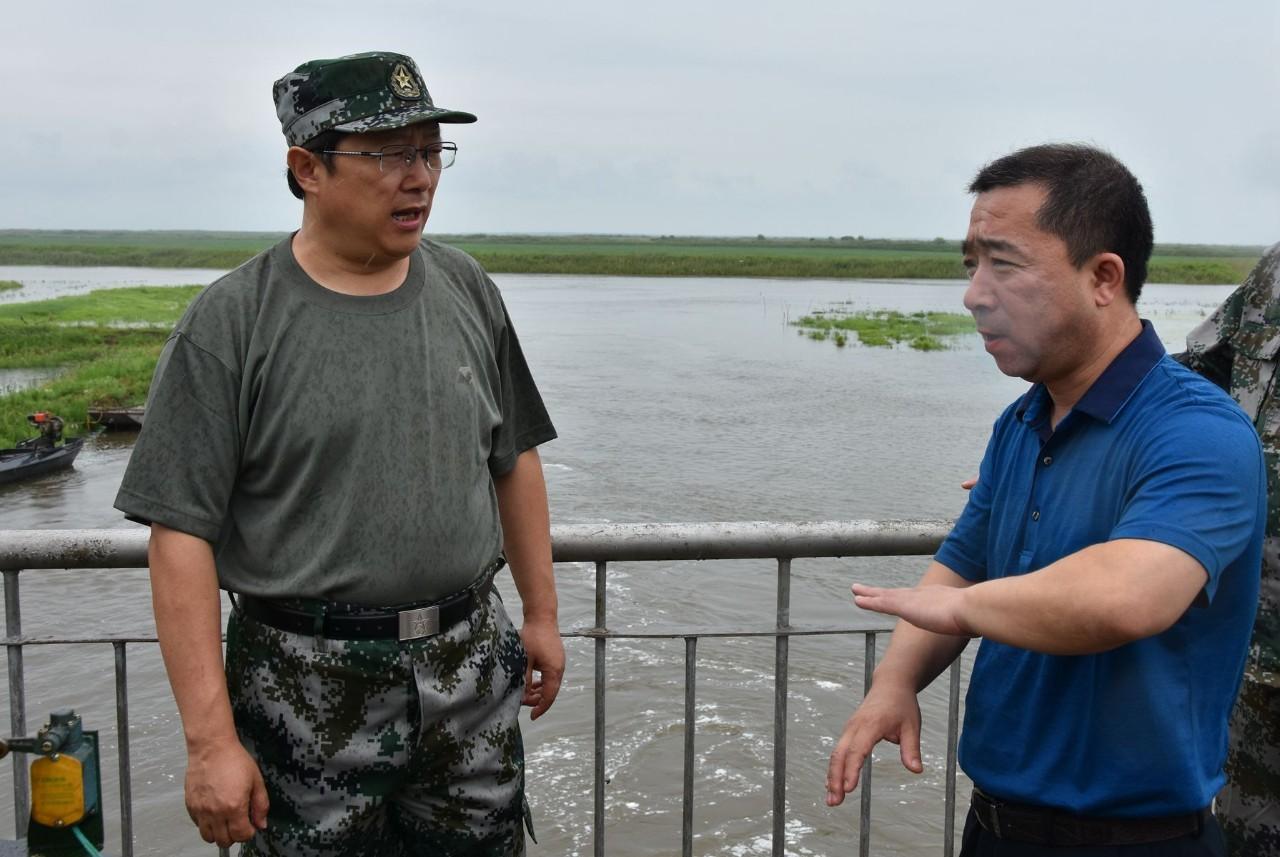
226	797
887	714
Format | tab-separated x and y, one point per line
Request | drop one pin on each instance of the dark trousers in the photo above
982	843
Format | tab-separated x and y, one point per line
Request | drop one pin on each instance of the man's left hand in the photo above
932	608
545	668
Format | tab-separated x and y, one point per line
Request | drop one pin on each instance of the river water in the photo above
676	400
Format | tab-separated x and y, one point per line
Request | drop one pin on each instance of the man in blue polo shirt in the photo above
1110	569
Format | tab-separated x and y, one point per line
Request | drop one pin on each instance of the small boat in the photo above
118	419
29	461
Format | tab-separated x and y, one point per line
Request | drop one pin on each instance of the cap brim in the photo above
400	119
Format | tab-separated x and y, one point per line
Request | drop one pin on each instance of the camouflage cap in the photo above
362	92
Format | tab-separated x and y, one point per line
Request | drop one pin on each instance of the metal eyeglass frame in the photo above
448	153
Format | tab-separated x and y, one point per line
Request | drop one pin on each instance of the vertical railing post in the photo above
864	782
598	811
122	740
690	723
17	699
781	650
953	733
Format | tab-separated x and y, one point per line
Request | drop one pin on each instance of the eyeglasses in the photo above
399	159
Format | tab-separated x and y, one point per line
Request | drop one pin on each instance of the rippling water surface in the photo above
676	400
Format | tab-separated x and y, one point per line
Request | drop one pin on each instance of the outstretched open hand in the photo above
932	608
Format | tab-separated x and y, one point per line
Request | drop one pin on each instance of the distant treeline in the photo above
848	256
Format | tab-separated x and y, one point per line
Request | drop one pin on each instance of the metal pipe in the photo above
860	625
23	549
17	699
872	625
690	724
598	812
122	740
864	784
100	549
743	540
781	651
953	732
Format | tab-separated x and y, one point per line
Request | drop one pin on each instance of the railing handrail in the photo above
24	551
127	548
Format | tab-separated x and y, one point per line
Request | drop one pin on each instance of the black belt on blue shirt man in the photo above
1041	827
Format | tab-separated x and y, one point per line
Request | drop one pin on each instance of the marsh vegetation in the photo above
105	345
923	331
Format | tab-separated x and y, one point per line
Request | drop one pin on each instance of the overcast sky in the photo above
829	117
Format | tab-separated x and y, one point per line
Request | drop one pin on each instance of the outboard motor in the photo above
49	426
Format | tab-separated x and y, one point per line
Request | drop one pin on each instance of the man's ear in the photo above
1107	270
305	167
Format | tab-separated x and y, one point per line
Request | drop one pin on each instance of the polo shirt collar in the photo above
1106	398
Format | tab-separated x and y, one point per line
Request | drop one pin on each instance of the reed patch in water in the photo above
922	331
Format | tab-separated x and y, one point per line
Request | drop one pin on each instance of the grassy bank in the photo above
923	331
147	249
107	343
845	257
9	285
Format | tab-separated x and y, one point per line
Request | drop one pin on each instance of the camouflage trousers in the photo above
1249	805
383	748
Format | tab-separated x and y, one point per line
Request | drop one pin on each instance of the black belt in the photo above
410	622
1041	825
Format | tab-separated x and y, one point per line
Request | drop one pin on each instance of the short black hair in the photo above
1093	203
316	145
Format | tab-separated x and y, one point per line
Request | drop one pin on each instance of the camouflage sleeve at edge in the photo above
1209	349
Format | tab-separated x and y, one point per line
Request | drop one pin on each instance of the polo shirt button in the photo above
1048	459
1035	516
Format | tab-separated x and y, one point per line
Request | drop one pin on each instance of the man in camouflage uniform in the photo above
369	700
1238	347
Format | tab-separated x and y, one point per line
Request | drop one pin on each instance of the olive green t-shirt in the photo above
335	446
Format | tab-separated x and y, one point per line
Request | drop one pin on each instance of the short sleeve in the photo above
1198	486
525	423
964	551
184	464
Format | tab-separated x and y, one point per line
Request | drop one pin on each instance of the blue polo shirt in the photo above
1152	451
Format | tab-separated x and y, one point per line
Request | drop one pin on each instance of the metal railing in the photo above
27	550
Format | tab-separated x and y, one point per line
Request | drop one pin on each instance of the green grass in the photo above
922	331
710	264
116	380
843	257
1174	269
147	249
106	342
160	305
9	285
